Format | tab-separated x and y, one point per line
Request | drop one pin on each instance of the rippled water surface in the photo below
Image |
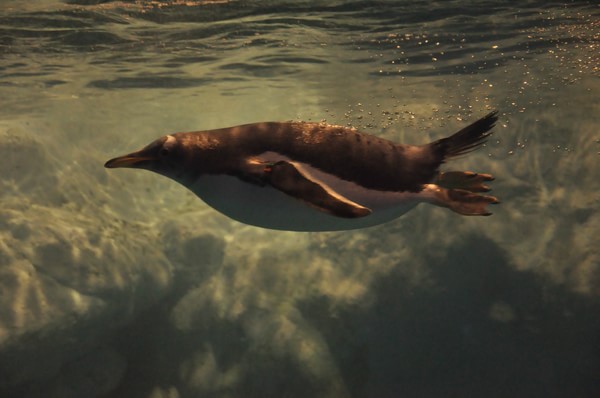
121	283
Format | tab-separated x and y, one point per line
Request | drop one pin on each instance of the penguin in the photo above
301	176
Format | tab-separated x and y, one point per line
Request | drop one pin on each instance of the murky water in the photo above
121	283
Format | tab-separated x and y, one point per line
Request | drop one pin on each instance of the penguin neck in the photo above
212	152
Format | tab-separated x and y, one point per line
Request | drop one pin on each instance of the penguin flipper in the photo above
287	178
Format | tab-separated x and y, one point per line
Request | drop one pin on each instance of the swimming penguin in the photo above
301	176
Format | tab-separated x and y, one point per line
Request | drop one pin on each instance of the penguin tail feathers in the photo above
466	140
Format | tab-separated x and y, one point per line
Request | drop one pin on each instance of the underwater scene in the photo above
123	283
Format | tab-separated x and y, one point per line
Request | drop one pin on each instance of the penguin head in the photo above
163	156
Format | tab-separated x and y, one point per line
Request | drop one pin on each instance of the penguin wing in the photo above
289	179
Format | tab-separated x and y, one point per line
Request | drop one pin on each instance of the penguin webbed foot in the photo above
465	202
465	180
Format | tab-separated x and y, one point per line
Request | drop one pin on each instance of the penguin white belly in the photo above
267	207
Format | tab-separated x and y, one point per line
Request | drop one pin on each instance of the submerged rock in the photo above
67	281
27	167
94	374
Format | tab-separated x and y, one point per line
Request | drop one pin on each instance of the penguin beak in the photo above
131	160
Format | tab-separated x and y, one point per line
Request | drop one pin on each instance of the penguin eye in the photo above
164	152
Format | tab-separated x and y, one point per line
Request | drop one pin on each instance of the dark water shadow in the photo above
482	329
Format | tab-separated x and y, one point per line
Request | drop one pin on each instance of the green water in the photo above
121	283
